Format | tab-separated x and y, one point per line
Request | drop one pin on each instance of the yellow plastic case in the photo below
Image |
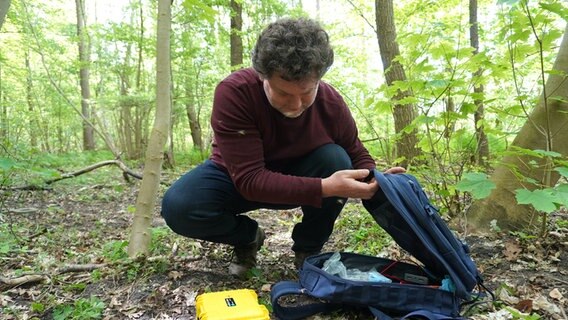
241	304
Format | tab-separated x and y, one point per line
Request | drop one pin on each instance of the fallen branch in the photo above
81	267
6	283
125	171
14	282
118	163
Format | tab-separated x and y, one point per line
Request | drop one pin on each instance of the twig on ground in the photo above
80	267
30	278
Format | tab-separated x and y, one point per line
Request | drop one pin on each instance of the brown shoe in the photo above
301	256
244	257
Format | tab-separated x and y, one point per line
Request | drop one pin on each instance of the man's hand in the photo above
395	170
349	184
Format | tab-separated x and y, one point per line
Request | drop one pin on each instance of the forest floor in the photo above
62	256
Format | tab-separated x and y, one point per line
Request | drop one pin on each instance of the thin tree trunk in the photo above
482	152
4	6
403	113
236	31
84	62
146	200
33	126
3	112
191	110
545	129
194	125
127	125
140	48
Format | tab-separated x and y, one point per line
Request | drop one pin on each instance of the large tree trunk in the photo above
482	152
545	129
403	114
4	6
146	200
84	62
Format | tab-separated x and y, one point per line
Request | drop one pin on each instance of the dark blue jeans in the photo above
204	203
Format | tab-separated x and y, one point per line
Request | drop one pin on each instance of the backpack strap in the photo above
285	288
430	315
379	315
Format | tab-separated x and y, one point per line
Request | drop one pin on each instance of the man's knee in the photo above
333	156
174	208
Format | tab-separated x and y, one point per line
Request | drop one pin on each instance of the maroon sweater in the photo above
254	142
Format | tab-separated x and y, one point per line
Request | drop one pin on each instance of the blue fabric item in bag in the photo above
431	291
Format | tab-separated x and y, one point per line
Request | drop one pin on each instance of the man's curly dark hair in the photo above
296	49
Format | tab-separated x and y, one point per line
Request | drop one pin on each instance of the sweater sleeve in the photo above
239	141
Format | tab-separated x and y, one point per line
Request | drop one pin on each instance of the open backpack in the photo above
437	288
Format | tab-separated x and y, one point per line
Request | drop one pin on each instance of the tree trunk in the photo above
140	48
450	125
84	62
4	6
146	200
403	114
236	31
482	151
545	129
194	125
33	125
4	137
128	125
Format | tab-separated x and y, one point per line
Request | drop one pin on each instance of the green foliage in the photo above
562	223
35	168
37	307
115	250
558	8
542	200
160	237
476	183
517	315
83	308
8	243
359	231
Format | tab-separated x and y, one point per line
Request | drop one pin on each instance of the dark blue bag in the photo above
434	290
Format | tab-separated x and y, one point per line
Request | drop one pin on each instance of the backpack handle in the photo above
379	315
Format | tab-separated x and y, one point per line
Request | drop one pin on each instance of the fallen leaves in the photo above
512	251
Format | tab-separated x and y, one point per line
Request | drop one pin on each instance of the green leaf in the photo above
556	7
545	153
563	171
541	200
6	164
37	307
477	184
561	193
198	6
438	83
383	107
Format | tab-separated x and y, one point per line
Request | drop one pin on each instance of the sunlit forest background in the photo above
59	99
41	100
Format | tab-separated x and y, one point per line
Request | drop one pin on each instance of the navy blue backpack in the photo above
437	289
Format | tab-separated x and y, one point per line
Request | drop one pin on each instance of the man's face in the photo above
291	98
